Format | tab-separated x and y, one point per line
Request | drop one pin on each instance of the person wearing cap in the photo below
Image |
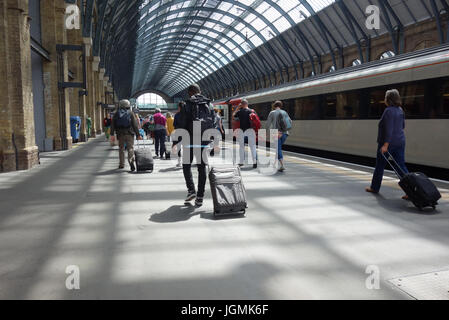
124	124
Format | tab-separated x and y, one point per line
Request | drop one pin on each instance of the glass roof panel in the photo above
199	27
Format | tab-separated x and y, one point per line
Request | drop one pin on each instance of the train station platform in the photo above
310	233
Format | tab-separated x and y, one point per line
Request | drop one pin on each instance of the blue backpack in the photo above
285	123
122	119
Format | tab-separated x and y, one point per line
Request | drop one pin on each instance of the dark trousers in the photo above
189	154
398	153
160	136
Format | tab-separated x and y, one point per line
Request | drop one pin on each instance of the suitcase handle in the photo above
137	144
394	162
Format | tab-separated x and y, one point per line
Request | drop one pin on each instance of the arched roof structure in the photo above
165	45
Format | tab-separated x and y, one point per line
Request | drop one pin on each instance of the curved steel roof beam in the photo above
206	9
225	35
99	26
191	53
109	22
193	40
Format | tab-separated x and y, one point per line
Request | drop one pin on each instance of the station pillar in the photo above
77	98
57	105
18	150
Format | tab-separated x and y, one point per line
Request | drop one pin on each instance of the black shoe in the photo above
190	196
255	166
199	202
241	165
133	167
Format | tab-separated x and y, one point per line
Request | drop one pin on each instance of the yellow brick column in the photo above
77	101
18	147
7	153
57	105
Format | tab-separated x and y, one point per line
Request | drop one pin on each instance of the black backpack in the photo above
198	108
122	119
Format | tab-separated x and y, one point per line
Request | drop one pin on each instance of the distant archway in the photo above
164	96
151	101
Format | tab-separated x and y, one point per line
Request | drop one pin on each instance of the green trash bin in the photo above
89	127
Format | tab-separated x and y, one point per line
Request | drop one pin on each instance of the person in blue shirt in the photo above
391	138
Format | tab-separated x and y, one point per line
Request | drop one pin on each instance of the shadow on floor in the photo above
110	172
175	214
172	169
398	205
211	216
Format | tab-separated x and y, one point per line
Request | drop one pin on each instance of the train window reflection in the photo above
377	104
413	100
441	109
307	108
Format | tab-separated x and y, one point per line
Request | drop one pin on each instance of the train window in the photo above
289	107
263	110
413	100
330	106
345	105
348	105
441	109
377	103
308	108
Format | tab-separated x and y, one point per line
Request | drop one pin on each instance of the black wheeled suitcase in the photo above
144	157
228	191
418	187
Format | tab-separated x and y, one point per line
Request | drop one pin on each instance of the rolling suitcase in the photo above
144	158
418	187
228	191
168	148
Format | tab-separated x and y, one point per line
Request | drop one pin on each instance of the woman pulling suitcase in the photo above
391	138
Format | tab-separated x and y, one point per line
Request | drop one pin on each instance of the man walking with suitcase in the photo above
198	111
124	123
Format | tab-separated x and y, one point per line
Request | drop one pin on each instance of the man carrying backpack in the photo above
279	120
197	113
245	115
124	123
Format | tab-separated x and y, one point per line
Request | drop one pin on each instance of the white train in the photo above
340	111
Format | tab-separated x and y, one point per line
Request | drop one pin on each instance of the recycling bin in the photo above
75	128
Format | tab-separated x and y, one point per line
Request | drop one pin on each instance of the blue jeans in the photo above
398	153
160	136
281	142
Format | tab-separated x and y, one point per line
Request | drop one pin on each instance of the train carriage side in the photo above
340	113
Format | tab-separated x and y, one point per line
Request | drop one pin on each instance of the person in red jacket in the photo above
160	133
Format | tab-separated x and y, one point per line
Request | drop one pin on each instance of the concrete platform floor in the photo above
310	233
